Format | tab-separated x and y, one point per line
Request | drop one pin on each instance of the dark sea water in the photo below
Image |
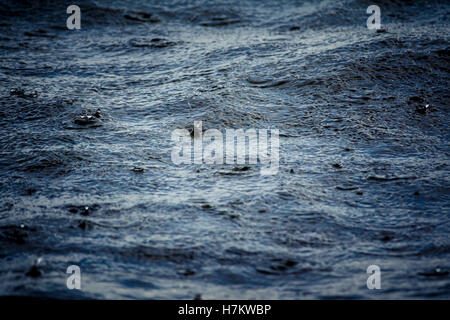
363	176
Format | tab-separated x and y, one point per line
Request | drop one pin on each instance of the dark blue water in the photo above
363	176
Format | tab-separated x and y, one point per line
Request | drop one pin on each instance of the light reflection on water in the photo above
363	177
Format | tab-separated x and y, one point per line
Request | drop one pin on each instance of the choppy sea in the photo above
87	179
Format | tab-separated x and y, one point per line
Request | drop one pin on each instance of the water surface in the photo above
363	175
